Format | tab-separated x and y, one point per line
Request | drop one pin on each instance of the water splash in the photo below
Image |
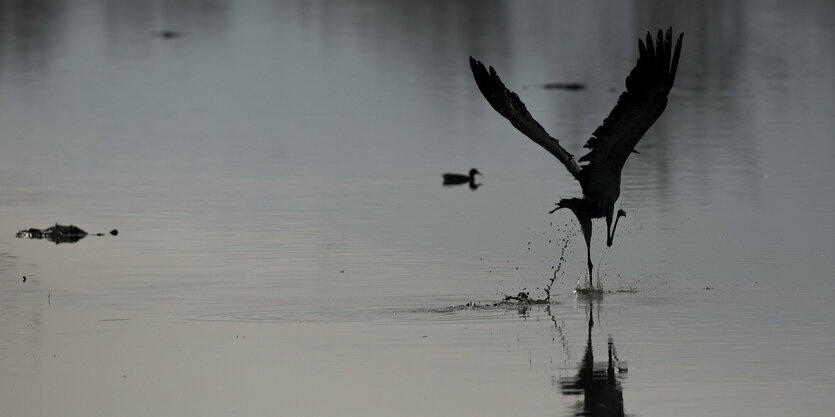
556	271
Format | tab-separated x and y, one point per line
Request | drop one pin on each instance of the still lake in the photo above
286	247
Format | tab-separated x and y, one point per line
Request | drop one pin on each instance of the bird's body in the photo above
645	98
457	179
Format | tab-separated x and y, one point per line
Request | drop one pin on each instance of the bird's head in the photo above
474	172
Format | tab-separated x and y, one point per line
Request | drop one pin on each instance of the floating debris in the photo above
524	298
564	86
167	34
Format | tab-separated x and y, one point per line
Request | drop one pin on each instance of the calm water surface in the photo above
286	246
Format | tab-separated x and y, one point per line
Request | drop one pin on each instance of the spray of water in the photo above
556	271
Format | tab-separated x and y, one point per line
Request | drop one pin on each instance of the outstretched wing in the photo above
507	103
638	107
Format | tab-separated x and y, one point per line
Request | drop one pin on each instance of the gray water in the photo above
285	245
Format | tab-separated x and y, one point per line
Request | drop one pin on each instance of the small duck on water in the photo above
458	179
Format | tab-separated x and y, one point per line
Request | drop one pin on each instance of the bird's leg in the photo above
591	277
611	235
585	226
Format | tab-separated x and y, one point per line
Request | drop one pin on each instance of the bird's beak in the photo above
634	151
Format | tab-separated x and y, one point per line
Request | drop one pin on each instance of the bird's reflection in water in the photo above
598	382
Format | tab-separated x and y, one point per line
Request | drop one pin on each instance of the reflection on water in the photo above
599	383
30	36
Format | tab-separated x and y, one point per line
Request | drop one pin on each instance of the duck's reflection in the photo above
599	383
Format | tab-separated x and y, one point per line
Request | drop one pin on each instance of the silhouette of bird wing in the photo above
507	103
638	107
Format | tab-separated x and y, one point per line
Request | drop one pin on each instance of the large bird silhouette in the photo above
611	144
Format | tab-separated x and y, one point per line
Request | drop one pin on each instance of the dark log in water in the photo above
58	233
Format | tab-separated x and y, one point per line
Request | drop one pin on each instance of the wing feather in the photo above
508	104
645	98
